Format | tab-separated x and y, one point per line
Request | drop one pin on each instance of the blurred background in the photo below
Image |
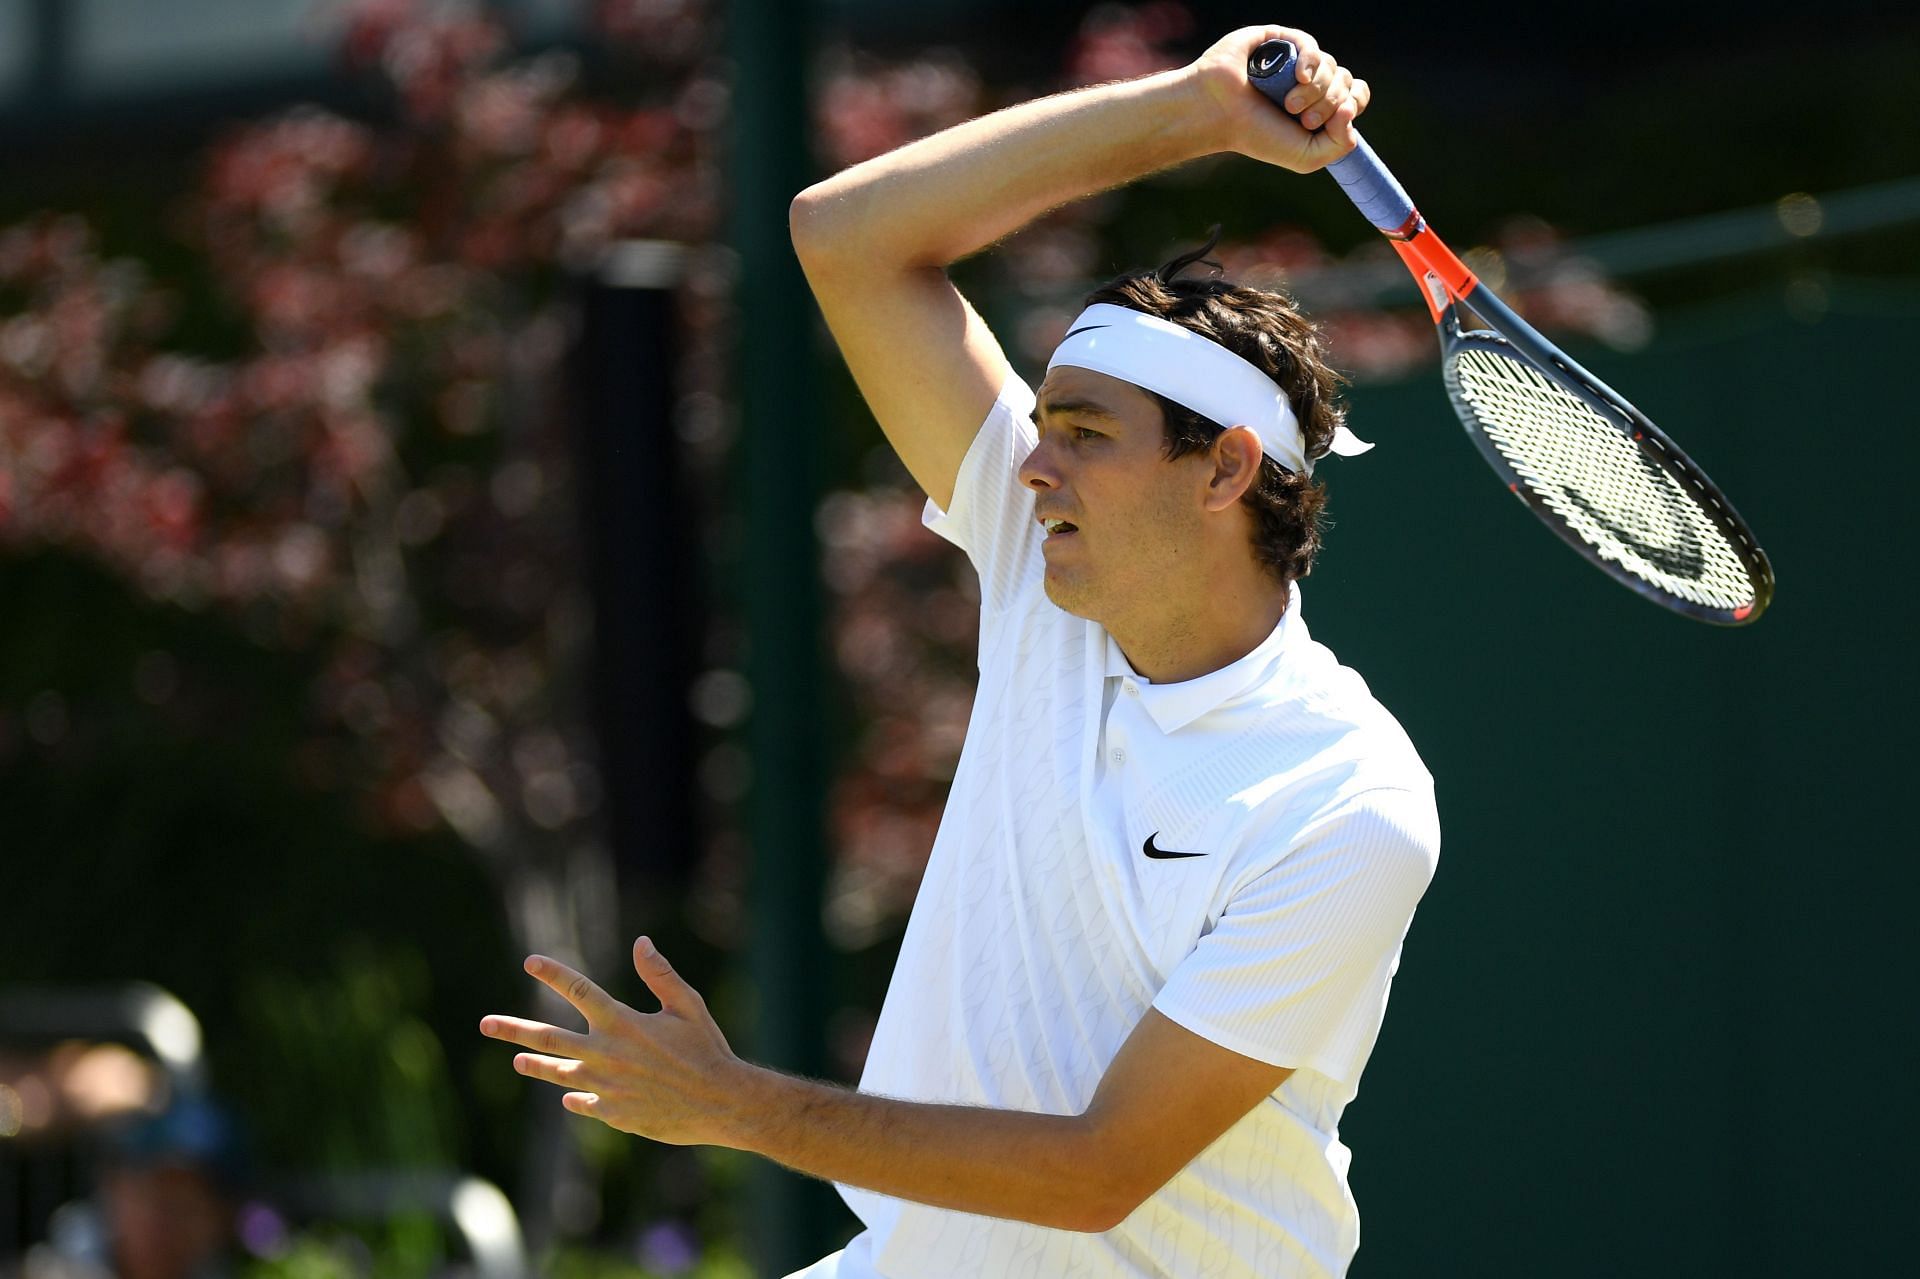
434	527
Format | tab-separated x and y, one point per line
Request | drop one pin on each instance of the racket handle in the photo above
1373	190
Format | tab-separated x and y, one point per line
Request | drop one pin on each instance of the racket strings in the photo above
1594	477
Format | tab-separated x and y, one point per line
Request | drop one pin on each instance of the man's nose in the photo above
1039	471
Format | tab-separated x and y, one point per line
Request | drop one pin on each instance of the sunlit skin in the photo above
670	1076
1161	554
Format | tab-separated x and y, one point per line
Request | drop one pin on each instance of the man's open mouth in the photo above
1057	527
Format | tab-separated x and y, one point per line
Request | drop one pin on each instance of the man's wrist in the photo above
1204	124
1187	114
761	1100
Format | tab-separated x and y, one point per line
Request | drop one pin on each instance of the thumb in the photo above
667	986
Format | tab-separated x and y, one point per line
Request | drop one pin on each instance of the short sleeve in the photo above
1296	970
991	514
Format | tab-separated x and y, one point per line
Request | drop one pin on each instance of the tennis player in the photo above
1153	946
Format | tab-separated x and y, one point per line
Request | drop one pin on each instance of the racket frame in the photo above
1509	336
1447	284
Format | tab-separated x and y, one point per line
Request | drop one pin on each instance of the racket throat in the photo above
1444	278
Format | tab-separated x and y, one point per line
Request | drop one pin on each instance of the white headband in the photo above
1194	371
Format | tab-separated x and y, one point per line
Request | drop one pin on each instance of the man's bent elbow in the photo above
828	227
809	224
1096	1216
1101	1204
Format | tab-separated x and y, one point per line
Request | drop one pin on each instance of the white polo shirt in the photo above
1044	930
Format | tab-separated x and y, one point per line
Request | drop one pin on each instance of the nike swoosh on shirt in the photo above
1161	854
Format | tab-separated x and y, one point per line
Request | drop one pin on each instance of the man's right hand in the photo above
1243	119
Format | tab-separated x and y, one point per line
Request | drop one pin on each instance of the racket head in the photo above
1597	472
1586	462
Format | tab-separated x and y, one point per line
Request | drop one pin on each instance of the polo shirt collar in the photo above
1174	706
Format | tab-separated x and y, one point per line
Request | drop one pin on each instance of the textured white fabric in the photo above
1043	933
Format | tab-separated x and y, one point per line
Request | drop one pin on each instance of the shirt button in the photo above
1133	689
1118	755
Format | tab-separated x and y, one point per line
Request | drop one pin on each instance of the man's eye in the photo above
1085	433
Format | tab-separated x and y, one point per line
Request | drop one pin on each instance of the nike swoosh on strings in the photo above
1160	854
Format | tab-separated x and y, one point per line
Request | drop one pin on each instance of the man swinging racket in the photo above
1153	946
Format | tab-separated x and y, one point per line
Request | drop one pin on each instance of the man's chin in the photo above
1068	595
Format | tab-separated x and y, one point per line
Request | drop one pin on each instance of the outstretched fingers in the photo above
595	1004
673	992
553	1070
536	1035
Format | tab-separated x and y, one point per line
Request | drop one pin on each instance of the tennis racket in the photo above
1583	459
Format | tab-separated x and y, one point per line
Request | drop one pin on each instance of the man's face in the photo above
1133	517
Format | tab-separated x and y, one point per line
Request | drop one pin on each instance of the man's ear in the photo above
1236	455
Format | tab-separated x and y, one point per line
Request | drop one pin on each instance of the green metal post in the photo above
793	1218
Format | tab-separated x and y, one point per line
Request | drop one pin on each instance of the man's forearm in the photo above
999	1163
934	201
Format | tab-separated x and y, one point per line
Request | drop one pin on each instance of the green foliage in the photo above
352	1044
336	1254
308	1258
408	1246
157	835
580	1263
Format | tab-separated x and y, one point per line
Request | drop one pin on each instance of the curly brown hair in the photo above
1268	331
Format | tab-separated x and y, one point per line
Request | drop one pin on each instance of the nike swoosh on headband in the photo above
1086	328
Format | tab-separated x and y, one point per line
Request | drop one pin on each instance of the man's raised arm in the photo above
876	239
